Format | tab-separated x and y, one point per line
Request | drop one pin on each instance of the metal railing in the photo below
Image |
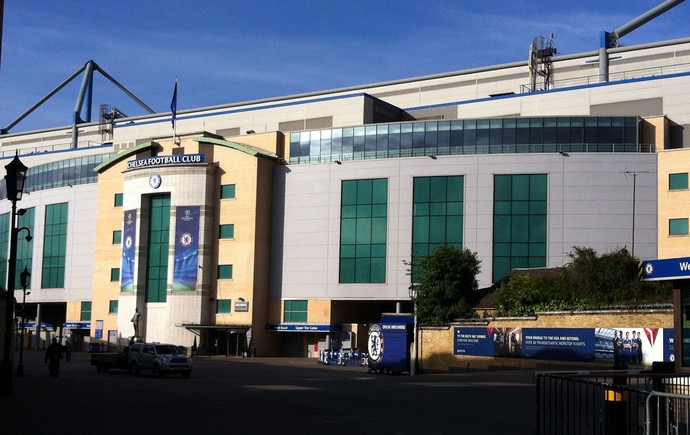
612	403
659	71
667	414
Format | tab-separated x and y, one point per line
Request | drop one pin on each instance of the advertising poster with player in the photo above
615	346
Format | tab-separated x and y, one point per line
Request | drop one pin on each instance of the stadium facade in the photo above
283	225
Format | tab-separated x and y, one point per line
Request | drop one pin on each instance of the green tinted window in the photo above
113	306
678	227
437	216
85	311
363	231
115	274
227	191
227	231
223	306
225	271
159	232
295	311
25	249
4	245
678	181
520	212
54	246
118	200
117	237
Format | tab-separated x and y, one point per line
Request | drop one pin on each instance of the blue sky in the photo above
231	51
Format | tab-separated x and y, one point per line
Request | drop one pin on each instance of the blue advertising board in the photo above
671	268
389	347
474	341
629	346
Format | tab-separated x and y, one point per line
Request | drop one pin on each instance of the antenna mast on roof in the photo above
540	66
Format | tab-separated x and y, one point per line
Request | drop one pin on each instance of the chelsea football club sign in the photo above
175	159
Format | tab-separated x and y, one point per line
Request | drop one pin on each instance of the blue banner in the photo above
624	346
186	248
128	248
671	268
474	341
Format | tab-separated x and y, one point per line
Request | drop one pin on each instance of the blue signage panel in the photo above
128	248
561	344
388	346
474	341
629	346
297	328
671	268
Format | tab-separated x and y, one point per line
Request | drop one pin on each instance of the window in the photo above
363	231
678	227
227	231
117	237
295	311
223	306
520	211
115	274
227	191
112	307
85	311
678	181
4	245
54	246
225	271
118	200
158	247
25	249
437	216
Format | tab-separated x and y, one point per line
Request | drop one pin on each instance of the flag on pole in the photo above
173	105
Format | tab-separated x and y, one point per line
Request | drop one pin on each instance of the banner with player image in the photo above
622	346
631	346
186	248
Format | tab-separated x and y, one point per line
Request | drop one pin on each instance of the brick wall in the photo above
436	343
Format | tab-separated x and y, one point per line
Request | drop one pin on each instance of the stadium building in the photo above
282	226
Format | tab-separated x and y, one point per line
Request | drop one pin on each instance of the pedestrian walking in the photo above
53	356
68	350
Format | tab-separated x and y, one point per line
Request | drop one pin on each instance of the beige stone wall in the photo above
672	203
436	343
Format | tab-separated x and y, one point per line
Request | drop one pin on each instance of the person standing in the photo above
68	349
53	356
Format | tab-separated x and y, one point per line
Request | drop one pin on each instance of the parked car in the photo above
158	358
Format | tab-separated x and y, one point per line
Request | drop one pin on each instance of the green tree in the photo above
448	287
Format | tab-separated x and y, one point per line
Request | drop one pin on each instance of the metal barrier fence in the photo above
667	414
612	403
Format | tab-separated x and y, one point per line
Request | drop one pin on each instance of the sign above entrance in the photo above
298	327
671	268
177	159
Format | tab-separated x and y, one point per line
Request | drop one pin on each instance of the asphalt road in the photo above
262	396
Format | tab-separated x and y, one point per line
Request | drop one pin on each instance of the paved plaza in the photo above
265	395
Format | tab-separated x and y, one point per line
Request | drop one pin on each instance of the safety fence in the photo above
612	402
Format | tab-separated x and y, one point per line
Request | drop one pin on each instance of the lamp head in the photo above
25	277
16	175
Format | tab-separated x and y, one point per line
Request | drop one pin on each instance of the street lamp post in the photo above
415	353
24	278
16	175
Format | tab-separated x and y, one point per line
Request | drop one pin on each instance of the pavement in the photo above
265	395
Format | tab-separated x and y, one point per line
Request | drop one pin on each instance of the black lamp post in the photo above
25	279
413	364
16	175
